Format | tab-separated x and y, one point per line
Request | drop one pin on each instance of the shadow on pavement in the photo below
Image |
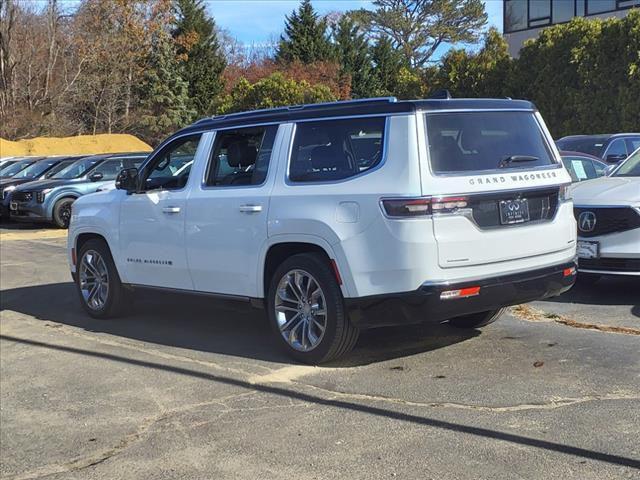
606	291
204	324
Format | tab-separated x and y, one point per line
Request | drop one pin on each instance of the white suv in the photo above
338	217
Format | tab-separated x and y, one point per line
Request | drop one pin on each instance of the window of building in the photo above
563	10
515	16
600	6
336	149
241	156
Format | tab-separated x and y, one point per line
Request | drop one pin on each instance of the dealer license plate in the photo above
514	211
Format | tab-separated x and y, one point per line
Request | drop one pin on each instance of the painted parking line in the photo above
32	235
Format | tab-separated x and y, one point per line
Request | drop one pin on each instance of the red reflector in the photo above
336	271
462	293
567	272
73	257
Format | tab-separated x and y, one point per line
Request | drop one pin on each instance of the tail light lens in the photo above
421	206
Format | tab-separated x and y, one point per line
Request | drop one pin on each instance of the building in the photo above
524	19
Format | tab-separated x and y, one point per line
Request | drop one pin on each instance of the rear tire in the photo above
62	212
476	320
306	310
97	281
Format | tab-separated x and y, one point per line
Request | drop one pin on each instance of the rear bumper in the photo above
425	304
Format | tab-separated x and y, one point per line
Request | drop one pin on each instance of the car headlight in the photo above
41	194
6	191
565	193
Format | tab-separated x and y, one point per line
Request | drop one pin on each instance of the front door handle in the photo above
250	208
171	210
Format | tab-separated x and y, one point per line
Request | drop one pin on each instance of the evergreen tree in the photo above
305	37
354	56
164	93
199	49
388	62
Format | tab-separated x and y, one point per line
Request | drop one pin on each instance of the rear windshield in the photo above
476	141
590	145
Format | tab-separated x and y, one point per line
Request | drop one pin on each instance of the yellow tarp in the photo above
81	144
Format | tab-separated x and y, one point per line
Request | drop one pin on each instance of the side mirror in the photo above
615	158
96	176
127	180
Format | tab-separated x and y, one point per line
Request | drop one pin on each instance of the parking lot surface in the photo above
188	388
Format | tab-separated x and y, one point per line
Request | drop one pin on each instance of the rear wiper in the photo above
505	162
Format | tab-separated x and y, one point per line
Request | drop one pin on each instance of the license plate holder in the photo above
514	211
588	249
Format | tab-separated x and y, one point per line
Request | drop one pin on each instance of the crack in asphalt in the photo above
530	314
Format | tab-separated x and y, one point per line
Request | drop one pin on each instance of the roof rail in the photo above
440	94
358	101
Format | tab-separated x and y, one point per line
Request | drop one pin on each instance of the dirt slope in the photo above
88	144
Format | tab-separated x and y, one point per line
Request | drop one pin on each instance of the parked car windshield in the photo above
11	170
591	145
59	167
476	141
36	169
77	169
630	167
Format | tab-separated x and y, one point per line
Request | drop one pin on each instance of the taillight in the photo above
448	204
406	207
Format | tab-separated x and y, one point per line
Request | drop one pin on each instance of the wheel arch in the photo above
280	249
51	204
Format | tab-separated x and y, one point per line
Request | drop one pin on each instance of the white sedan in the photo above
607	210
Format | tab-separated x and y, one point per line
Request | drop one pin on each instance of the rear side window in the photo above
476	141
331	150
241	156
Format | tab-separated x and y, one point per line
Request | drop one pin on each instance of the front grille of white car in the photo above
604	221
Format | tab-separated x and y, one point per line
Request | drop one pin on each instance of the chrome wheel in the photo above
301	310
94	280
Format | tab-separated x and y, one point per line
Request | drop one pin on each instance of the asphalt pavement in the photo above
190	388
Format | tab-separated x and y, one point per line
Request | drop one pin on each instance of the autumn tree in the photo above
201	55
305	38
419	27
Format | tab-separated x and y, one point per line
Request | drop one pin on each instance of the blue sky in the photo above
259	21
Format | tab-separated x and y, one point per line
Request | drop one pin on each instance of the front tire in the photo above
306	310
476	320
62	212
97	281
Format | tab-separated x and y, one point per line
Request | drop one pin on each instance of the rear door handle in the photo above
171	210
250	208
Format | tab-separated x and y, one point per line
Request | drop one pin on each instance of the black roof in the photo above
368	106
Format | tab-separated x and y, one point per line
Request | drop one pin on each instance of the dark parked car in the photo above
39	170
9	171
612	148
582	166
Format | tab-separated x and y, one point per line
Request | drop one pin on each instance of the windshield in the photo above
476	141
592	146
78	168
630	167
36	169
59	167
11	170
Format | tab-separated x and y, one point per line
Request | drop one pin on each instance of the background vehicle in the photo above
340	216
9	171
582	166
50	200
610	148
608	214
38	170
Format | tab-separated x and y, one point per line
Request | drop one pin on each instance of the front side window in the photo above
617	148
476	141
169	169
332	150
633	144
630	167
241	156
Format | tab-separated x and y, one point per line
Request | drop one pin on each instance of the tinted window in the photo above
617	147
11	170
336	149
77	169
36	169
633	144
59	167
241	156
592	146
475	141
169	170
111	167
562	11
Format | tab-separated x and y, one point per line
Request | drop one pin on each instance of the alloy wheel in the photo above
94	280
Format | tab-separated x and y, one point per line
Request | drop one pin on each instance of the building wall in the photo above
516	39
